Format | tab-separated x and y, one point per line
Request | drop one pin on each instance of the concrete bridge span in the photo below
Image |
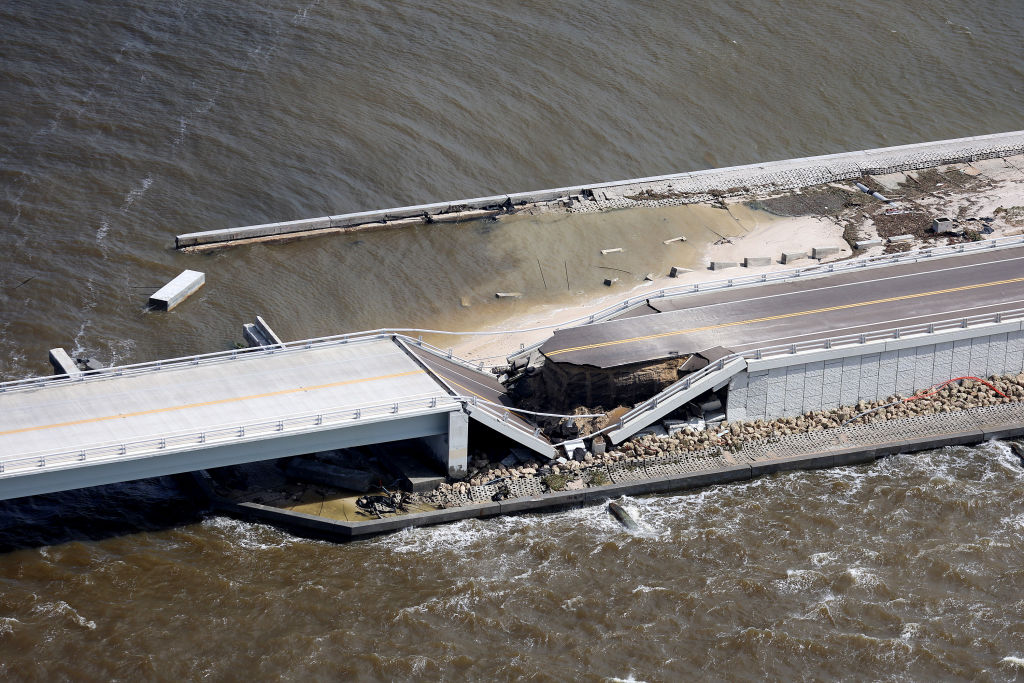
182	415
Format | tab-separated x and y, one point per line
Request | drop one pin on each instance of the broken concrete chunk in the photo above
722	265
790	256
678	270
864	244
901	238
757	261
824	252
942	225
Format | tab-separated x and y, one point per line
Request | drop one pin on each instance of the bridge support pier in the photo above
452	448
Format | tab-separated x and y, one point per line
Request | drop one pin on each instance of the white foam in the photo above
136	192
7	625
1013	660
818	559
862	576
61	608
249	535
910	630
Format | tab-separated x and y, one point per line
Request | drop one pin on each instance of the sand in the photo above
760	234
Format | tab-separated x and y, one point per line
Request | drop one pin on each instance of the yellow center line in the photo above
785	315
203	404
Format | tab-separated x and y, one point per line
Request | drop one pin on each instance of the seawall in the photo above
843	446
663	190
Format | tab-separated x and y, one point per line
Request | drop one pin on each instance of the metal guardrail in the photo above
921	329
786	275
234	354
844	341
216	436
313	421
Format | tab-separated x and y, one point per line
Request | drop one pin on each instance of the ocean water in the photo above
127	123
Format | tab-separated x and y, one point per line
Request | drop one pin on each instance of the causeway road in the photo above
192	398
852	302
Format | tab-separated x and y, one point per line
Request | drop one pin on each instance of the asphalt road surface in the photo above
847	303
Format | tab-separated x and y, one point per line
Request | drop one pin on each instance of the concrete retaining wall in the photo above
787	386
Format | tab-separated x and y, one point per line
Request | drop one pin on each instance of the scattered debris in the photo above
616	250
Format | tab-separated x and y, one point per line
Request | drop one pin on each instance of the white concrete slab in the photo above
251	388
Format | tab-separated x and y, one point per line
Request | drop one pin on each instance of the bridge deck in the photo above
880	298
59	416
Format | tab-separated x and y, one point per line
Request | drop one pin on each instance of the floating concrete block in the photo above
507	295
757	261
722	265
674	239
901	238
864	244
62	363
616	250
790	256
824	252
177	290
678	270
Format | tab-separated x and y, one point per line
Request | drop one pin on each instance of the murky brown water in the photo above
127	123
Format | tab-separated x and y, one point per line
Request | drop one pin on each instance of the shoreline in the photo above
994	203
661	462
790	453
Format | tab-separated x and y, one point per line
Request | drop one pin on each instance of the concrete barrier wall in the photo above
786	174
788	386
